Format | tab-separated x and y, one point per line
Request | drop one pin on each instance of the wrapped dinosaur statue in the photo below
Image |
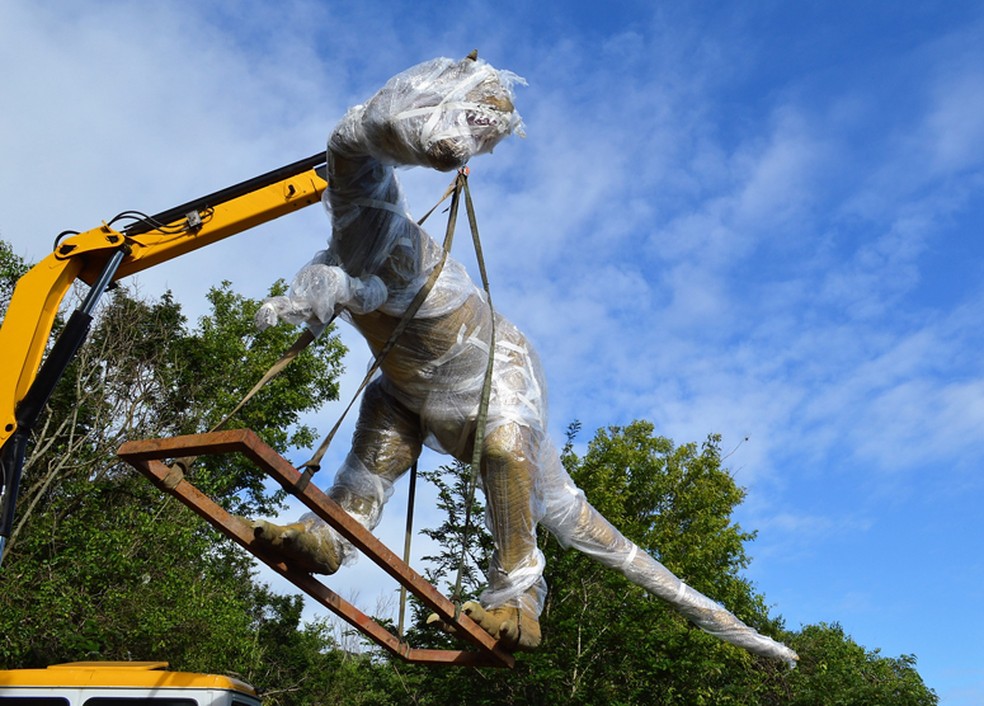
440	114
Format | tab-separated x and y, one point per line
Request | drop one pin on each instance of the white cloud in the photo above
956	124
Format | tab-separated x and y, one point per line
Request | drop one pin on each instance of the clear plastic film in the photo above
577	524
440	114
363	495
437	114
319	291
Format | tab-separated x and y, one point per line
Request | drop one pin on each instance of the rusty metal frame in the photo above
147	456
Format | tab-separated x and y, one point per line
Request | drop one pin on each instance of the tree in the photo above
609	642
464	544
835	670
100	565
12	268
676	503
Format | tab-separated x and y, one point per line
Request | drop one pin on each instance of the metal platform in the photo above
147	457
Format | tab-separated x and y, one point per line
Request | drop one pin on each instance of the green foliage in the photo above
12	268
124	575
836	671
676	503
100	565
462	546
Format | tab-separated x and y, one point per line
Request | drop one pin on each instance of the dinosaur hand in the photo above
315	294
290	309
271	312
311	299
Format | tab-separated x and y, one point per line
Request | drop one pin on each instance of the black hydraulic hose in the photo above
65	348
29	409
11	463
230	192
62	353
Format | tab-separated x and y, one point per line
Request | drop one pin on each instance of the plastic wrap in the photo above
437	114
319	291
577	524
440	114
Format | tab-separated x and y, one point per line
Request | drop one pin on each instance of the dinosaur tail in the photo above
576	523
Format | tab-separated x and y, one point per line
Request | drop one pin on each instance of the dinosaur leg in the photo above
386	442
510	609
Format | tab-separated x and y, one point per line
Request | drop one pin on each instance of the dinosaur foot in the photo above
515	630
310	550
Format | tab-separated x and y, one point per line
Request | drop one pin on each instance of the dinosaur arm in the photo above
318	292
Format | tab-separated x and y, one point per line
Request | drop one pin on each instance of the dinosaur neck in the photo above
366	205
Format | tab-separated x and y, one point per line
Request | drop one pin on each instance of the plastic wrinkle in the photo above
363	494
513	588
437	114
316	293
440	114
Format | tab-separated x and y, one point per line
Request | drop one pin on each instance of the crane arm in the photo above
99	257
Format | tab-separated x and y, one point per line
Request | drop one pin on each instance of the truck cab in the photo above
120	684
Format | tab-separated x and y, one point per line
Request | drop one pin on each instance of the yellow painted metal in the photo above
148	675
31	314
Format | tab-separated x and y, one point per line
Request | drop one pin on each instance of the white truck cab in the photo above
120	684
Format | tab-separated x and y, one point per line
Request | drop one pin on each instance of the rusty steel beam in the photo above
146	456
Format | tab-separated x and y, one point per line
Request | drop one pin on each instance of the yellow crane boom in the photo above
99	257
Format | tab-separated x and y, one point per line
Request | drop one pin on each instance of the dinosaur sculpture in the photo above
440	114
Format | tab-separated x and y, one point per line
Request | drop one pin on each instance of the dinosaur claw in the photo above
306	546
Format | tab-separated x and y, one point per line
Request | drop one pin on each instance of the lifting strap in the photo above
303	341
306	338
458	187
313	465
483	407
408	534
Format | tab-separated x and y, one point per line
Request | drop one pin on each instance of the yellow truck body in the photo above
120	684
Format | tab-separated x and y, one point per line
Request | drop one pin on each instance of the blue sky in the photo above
761	220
